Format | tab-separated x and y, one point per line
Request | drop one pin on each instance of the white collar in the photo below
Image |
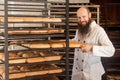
93	23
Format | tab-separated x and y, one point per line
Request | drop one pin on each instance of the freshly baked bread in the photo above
17	61
14	58
37	45
57	44
73	44
28	32
19	32
33	70
35	73
43	31
39	56
62	44
37	31
30	19
14	73
41	69
17	75
2	69
2	56
50	56
55	71
36	59
55	31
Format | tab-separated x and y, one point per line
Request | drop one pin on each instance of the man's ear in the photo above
90	15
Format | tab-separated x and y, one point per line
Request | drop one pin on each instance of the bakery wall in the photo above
110	9
109	17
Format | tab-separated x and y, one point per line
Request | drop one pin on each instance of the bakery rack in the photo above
19	21
95	10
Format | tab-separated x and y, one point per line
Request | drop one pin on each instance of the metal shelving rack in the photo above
16	25
73	21
95	9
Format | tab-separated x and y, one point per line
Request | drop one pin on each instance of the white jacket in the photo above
87	66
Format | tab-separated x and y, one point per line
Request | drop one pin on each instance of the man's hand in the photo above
87	47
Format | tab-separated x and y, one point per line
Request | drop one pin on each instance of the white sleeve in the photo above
106	48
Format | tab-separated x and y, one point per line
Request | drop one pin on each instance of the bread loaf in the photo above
73	44
36	59
2	56
59	44
32	57
62	44
33	70
19	32
17	75
43	31
11	56
37	45
38	31
55	44
30	19
55	31
35	73
2	69
14	58
27	54
41	69
55	71
17	61
15	72
38	56
14	76
52	58
28	32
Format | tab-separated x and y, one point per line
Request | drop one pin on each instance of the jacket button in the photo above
82	60
76	59
81	69
84	41
77	49
76	68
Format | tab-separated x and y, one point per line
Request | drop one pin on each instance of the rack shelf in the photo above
28	21
72	13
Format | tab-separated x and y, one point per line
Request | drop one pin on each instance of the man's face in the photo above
84	20
83	17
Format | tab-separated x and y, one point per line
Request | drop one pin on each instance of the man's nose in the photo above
82	19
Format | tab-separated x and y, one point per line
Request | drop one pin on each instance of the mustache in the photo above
83	21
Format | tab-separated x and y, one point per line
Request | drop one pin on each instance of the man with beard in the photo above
87	59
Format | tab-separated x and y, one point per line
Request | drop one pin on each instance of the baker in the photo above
87	59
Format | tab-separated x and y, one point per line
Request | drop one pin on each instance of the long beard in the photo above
84	29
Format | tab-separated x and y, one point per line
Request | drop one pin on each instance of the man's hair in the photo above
88	10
